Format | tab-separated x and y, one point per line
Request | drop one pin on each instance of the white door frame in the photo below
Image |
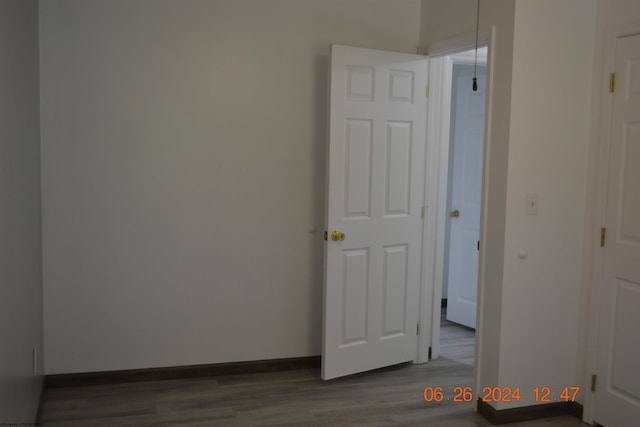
598	166
437	164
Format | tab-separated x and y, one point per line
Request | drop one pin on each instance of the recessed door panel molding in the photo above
394	295
630	179
375	188
359	142
398	168
468	292
465	292
355	290
625	375
360	85
472	165
633	67
401	86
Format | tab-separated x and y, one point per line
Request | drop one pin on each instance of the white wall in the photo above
550	109
459	18
183	166
20	237
538	142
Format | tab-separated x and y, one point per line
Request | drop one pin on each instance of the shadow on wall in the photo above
318	198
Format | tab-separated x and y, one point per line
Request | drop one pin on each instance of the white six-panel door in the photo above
617	396
375	189
467	142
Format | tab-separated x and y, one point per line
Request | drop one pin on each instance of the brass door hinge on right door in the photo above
612	82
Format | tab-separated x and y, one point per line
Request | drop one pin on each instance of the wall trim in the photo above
456	44
179	372
526	413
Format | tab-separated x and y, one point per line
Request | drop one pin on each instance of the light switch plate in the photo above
532	203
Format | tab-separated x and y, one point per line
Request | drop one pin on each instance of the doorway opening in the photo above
461	129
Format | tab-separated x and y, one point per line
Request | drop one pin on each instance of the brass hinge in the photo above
418	329
612	82
603	236
593	382
326	235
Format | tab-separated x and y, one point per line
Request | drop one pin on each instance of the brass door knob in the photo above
337	236
454	214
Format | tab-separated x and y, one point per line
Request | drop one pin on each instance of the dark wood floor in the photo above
387	397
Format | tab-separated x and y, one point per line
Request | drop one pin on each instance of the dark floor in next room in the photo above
387	397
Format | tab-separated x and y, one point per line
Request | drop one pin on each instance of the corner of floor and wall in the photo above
21	303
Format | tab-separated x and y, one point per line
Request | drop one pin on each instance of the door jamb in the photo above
433	230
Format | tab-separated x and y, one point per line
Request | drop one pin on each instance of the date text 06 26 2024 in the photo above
461	394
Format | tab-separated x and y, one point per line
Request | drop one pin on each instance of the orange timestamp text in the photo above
462	394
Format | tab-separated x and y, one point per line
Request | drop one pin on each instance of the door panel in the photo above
625	375
617	396
467	138
395	291
358	168
398	168
375	189
354	295
630	213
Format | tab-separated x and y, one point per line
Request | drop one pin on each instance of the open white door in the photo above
467	141
617	395
375	190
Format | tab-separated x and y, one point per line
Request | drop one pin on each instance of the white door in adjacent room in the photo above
617	395
375	191
465	178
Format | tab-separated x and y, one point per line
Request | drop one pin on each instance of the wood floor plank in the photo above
386	397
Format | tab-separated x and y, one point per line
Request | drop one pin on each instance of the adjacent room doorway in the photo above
466	143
